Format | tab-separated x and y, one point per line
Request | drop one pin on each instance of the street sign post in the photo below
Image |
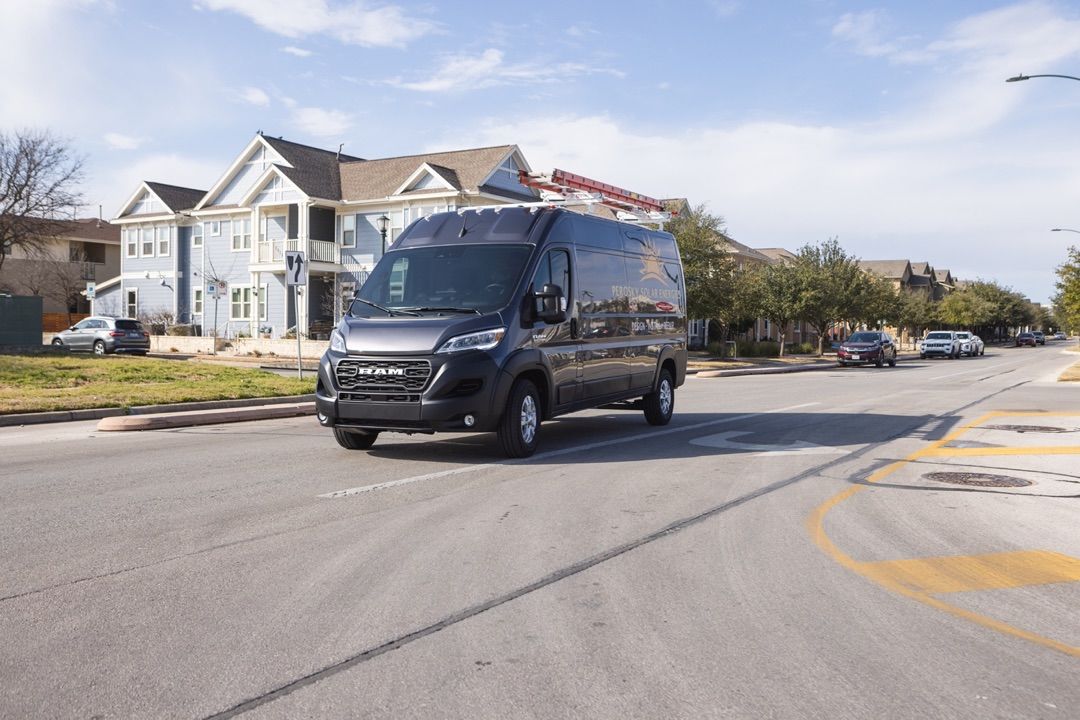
296	275
91	290
216	289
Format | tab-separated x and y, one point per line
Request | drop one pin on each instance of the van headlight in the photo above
337	342
483	340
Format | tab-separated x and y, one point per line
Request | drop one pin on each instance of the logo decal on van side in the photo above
651	266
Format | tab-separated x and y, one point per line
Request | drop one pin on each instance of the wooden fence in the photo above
55	322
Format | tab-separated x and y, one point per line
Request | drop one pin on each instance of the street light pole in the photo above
1018	78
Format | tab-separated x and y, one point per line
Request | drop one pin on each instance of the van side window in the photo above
554	268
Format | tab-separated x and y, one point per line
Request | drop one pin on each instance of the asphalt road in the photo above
782	549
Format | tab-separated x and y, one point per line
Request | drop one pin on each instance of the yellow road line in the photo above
974	452
965	573
815	523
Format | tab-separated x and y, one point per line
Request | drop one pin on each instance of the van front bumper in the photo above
465	385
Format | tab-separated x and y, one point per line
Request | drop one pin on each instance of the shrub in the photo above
765	348
804	348
183	330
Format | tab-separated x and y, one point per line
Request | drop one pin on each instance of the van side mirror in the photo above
550	304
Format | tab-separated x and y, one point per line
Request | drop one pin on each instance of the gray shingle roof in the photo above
314	170
889	269
775	254
466	169
745	250
176	198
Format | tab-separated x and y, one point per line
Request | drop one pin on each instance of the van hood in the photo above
410	335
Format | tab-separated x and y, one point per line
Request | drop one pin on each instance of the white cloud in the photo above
724	8
255	96
116	141
351	23
968	173
171	168
320	122
865	31
465	72
298	52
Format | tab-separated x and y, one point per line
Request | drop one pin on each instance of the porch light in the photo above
384	225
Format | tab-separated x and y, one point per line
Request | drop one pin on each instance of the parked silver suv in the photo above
102	335
940	342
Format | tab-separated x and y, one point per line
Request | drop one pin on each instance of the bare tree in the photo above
39	178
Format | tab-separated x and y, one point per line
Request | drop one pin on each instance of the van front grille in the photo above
383	380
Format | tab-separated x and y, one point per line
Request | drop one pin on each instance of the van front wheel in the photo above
660	404
520	423
355	440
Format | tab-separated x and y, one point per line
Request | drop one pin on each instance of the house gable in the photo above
249	167
428	177
272	188
144	202
506	175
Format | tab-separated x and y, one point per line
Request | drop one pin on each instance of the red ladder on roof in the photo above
572	186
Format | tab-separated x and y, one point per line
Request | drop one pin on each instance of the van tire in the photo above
660	404
355	439
519	426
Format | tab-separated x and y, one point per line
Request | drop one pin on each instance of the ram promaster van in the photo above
496	319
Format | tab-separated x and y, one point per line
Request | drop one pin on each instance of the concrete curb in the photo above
99	413
161	421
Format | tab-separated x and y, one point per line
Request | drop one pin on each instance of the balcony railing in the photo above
273	251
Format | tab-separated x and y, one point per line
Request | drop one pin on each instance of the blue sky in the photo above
887	125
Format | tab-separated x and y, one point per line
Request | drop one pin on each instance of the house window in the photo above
348	231
146	239
240	303
197	236
215	228
131	242
132	304
162	236
196	301
241	234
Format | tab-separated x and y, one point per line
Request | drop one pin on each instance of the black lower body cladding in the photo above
458	386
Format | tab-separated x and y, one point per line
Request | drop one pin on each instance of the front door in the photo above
557	341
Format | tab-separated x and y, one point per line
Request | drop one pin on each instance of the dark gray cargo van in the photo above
496	319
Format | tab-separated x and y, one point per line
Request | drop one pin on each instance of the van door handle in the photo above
573	329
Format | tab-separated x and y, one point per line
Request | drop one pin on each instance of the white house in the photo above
275	196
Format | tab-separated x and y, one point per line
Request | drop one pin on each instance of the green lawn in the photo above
35	383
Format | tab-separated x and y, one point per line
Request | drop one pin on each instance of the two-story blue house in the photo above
276	196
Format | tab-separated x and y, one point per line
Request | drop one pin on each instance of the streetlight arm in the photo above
1021	76
1064	230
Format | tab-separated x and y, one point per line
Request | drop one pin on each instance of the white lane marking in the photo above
800	447
978	369
556	453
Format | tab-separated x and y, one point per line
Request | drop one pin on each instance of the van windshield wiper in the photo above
443	309
388	311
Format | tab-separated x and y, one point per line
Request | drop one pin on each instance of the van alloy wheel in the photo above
660	404
520	424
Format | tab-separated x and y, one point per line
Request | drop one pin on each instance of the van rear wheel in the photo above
520	423
660	404
355	439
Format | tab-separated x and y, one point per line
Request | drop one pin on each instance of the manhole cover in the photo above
1029	428
977	479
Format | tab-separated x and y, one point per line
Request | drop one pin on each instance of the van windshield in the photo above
470	278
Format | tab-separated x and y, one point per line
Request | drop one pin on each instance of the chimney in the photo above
99	216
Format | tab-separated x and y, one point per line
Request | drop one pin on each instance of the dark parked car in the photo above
1039	337
1025	338
867	347
102	335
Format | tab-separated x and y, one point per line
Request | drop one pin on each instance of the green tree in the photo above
875	301
917	312
776	294
1067	300
831	284
707	264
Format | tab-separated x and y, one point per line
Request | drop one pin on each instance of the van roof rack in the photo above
565	188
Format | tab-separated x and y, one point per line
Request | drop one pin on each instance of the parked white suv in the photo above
943	343
971	345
